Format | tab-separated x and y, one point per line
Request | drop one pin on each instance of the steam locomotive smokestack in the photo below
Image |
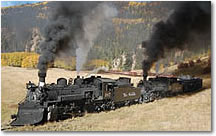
41	76
144	77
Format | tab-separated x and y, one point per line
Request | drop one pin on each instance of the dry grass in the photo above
183	113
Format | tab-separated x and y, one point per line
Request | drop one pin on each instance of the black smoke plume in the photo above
73	27
178	31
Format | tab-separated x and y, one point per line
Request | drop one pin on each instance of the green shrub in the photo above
30	61
96	63
3	62
65	63
14	59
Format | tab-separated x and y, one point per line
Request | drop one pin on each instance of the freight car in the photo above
49	102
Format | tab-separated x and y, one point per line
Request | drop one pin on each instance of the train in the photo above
162	86
68	98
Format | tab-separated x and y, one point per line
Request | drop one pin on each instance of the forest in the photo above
118	48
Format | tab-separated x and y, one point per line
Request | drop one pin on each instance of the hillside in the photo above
184	113
189	112
22	30
26	17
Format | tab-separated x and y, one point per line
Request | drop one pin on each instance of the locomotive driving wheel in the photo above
152	97
140	100
112	106
52	114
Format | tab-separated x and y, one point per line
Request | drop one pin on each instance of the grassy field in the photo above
191	112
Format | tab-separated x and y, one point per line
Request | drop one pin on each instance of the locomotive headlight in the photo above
28	85
41	84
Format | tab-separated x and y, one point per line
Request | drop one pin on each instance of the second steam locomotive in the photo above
50	102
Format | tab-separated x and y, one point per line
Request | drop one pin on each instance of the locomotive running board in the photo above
28	115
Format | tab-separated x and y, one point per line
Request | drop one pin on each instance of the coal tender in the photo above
51	102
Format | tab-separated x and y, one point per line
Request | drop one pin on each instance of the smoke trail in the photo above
188	19
95	71
97	19
157	67
73	26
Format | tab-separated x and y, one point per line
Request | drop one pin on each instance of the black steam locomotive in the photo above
58	101
160	87
50	102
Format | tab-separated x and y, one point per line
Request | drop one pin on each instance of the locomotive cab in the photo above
105	88
108	90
